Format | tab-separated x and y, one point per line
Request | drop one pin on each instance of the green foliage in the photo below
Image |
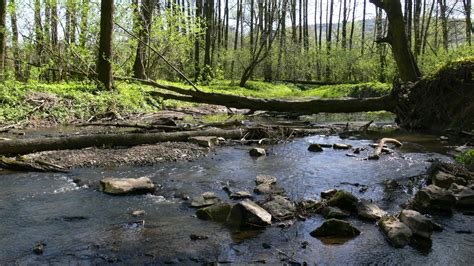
466	157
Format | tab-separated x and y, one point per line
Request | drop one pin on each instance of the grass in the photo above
67	102
466	157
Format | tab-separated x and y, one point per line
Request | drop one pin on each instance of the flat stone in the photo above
204	200
335	228
265	179
205	141
248	214
419	224
398	234
340	146
334	212
315	148
121	186
328	193
257	152
369	211
325	145
217	212
280	207
240	195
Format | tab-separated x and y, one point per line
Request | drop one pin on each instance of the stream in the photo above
80	225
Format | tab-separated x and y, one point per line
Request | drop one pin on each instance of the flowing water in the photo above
84	226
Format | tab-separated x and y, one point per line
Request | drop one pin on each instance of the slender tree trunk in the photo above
144	26
282	37
226	34
351	37
408	19
241	7
436	26
293	22
3	31
197	41
444	23
344	25
417	27
236	37
339	23
467	9
16	49
363	28
104	64
208	11
328	41
427	27
84	21
252	15
300	24
38	32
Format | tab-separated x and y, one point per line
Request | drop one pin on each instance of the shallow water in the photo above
82	225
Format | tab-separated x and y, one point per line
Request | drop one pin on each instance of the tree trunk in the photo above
226	34
208	11
16	49
344	25
408	19
197	42
3	31
38	32
444	23
417	27
351	37
144	27
84	25
427	27
397	38
467	9
104	64
363	28
328	41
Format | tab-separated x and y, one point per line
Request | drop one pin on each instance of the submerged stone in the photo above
204	200
315	148
335	228
328	193
217	212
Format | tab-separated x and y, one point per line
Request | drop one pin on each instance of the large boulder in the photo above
335	228
217	212
419	224
122	186
369	211
280	207
344	200
248	214
397	233
204	200
444	180
334	212
434	198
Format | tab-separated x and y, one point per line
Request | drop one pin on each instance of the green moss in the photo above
466	157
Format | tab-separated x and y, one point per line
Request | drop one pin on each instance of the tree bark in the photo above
84	21
444	23
467	9
208	11
104	64
363	28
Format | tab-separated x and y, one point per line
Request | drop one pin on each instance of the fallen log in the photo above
380	147
25	146
26	164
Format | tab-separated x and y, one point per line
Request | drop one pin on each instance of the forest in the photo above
287	132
